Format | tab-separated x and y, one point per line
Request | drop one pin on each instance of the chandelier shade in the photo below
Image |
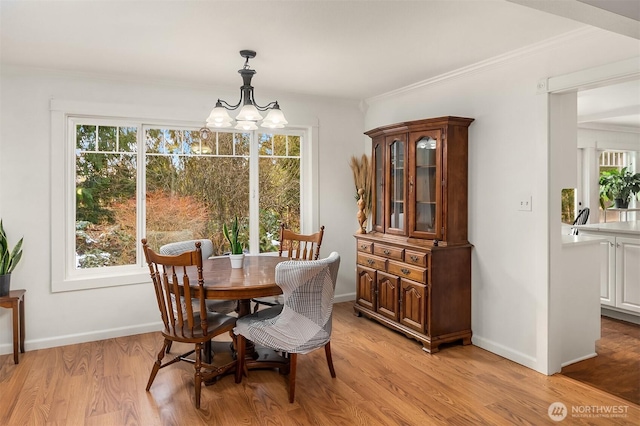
275	118
246	125
250	112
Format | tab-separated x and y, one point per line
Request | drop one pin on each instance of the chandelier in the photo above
249	114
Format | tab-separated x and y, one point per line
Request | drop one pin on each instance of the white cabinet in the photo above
608	272
620	273
628	274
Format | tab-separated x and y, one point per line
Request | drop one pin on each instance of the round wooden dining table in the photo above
257	278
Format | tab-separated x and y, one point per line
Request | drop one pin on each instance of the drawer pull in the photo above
371	261
387	252
363	246
405	271
414	258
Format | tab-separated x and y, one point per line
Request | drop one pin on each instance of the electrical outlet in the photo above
524	203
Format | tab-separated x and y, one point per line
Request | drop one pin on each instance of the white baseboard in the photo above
505	352
623	316
564	364
349	297
70	339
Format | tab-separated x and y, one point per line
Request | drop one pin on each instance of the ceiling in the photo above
345	49
613	107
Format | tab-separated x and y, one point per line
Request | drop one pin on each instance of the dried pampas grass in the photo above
362	178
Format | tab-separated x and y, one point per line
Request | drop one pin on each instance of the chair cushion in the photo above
282	330
215	321
221	306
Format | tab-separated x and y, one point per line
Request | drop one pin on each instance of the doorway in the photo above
608	110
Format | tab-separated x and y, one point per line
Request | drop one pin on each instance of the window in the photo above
127	180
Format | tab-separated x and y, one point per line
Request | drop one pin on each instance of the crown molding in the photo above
608	127
489	63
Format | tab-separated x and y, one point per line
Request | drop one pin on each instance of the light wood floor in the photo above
383	378
616	369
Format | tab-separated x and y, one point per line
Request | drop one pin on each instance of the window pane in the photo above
154	140
265	144
279	199
173	141
107	138
192	196
105	199
280	145
86	137
568	205
243	143
127	139
225	143
294	145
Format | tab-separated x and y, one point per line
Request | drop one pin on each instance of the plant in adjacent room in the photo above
619	186
232	237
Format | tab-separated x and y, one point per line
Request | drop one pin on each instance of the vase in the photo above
237	260
5	285
620	203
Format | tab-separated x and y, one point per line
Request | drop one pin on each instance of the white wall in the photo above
60	318
508	159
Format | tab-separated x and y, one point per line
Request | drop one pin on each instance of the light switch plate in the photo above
524	203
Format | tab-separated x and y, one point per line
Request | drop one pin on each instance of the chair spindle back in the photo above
170	281
300	246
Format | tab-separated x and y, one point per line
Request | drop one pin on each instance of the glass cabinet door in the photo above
396	190
378	186
425	185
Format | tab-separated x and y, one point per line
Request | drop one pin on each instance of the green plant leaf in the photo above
8	260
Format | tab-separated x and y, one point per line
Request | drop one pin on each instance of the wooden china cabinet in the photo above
414	268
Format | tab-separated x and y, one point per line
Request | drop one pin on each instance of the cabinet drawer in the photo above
371	261
365	246
388	251
404	270
415	258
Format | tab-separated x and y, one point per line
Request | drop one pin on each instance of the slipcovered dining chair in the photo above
303	323
169	276
297	247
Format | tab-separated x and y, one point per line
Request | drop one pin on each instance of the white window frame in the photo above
64	114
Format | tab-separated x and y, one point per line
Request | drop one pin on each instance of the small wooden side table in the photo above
15	301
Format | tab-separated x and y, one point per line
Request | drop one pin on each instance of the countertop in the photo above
632	227
578	240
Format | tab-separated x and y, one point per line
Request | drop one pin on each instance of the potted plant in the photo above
619	186
237	255
8	261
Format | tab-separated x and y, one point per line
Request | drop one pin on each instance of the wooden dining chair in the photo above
296	247
302	324
206	245
188	325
